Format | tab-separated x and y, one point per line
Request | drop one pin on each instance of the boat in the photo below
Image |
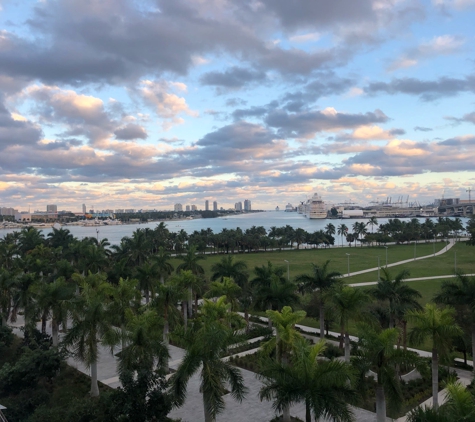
315	207
277	208
289	208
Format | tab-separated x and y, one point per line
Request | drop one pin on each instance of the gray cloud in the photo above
306	124
422	129
130	131
425	90
234	77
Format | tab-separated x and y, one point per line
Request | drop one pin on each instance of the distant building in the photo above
206	205
188	208
23	216
8	211
215	206
130	211
193	208
119	211
238	206
178	207
84	208
52	209
247	205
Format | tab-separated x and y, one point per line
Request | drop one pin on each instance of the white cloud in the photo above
313	36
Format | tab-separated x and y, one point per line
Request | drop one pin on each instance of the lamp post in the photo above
379	268
288	271
348	255
386	256
97	234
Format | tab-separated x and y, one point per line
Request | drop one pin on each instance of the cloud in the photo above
233	78
313	36
442	45
130	131
168	106
307	124
425	90
422	129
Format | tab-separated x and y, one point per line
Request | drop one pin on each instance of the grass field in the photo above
361	258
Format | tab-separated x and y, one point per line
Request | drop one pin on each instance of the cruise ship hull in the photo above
315	208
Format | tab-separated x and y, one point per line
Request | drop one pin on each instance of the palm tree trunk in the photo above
435	379
342	335
147	296
190	302
43	323
473	347
166	341
94	386
380	404
208	417
184	304
322	321
308	415
54	331
347	347
246	318
404	334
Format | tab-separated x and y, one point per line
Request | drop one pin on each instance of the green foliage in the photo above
6	338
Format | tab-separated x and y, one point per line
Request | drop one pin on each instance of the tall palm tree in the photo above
398	296
161	260
206	342
342	231
373	221
359	229
227	287
320	279
460	293
147	275
52	299
348	303
330	229
324	386
191	263
227	267
276	294
439	326
376	352
7	283
91	323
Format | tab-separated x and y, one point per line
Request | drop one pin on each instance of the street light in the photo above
386	256
348	255
288	271
97	234
379	268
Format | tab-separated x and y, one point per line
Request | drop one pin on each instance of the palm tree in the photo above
52	299
438	325
186	280
320	279
359	229
91	323
144	343
460	293
191	263
348	303
376	352
207	341
7	283
227	288
342	231
399	296
227	267
330	229
162	263
147	275
373	221
276	294
324	386
168	295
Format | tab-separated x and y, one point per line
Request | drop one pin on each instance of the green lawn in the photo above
300	261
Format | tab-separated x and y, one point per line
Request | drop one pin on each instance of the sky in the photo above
147	103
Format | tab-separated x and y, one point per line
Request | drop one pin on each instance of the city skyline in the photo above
125	104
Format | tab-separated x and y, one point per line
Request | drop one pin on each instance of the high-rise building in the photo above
238	206
206	205
52	209
84	208
8	211
215	206
193	208
247	205
188	208
178	207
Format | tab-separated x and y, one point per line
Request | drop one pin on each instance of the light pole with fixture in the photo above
288	270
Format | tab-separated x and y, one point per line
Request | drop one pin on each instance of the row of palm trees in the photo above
136	300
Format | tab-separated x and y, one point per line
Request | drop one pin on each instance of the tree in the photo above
460	293
320	279
191	263
206	342
227	267
91	323
276	294
324	386
227	287
376	351
359	229
147	275
342	231
348	303
373	221
470	227
161	260
439	326
398	296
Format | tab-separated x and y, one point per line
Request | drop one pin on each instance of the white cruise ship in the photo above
289	208
315	207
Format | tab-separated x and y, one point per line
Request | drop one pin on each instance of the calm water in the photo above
245	221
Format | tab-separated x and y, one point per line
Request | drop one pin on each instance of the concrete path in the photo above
436	277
